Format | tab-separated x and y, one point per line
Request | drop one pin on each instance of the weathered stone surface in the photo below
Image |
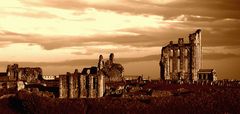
29	74
90	83
182	61
112	71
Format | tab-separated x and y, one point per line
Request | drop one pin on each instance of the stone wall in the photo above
29	74
81	85
182	61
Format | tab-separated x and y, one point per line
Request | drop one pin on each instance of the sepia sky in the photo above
61	35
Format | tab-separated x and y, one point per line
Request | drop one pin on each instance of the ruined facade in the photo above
91	82
14	77
113	71
182	61
29	74
87	84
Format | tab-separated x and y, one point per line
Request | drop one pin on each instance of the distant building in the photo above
81	85
91	82
182	61
16	77
49	77
16	73
207	74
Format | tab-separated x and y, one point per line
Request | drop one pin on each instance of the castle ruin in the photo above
182	61
91	82
28	74
87	84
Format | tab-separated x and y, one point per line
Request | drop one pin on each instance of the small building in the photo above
50	77
207	74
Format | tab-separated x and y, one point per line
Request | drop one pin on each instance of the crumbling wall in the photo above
90	83
87	84
83	90
63	86
182	61
113	71
101	85
29	74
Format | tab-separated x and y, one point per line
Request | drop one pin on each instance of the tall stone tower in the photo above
196	53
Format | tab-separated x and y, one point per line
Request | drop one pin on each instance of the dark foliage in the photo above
200	100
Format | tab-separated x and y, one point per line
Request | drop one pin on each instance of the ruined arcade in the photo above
92	82
182	61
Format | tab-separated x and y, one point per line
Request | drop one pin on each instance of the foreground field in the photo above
197	99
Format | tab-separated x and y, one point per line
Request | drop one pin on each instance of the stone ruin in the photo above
112	71
28	74
15	78
87	84
91	82
182	61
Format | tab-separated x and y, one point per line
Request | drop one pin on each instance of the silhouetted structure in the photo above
207	74
182	61
87	84
16	73
91	82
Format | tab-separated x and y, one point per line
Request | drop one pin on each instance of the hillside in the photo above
185	99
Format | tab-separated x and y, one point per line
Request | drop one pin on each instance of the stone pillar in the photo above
175	64
101	84
162	69
189	64
196	50
166	57
167	76
95	85
100	62
111	58
181	57
199	47
83	91
63	86
75	84
90	89
71	85
171	67
163	64
15	71
182	50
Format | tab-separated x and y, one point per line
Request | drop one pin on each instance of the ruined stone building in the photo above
114	80
113	71
91	82
182	61
87	84
14	76
28	74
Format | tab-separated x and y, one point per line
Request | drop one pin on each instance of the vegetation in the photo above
197	99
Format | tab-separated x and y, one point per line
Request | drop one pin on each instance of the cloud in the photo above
181	18
84	62
26	12
216	8
89	62
219	56
221	52
217	33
